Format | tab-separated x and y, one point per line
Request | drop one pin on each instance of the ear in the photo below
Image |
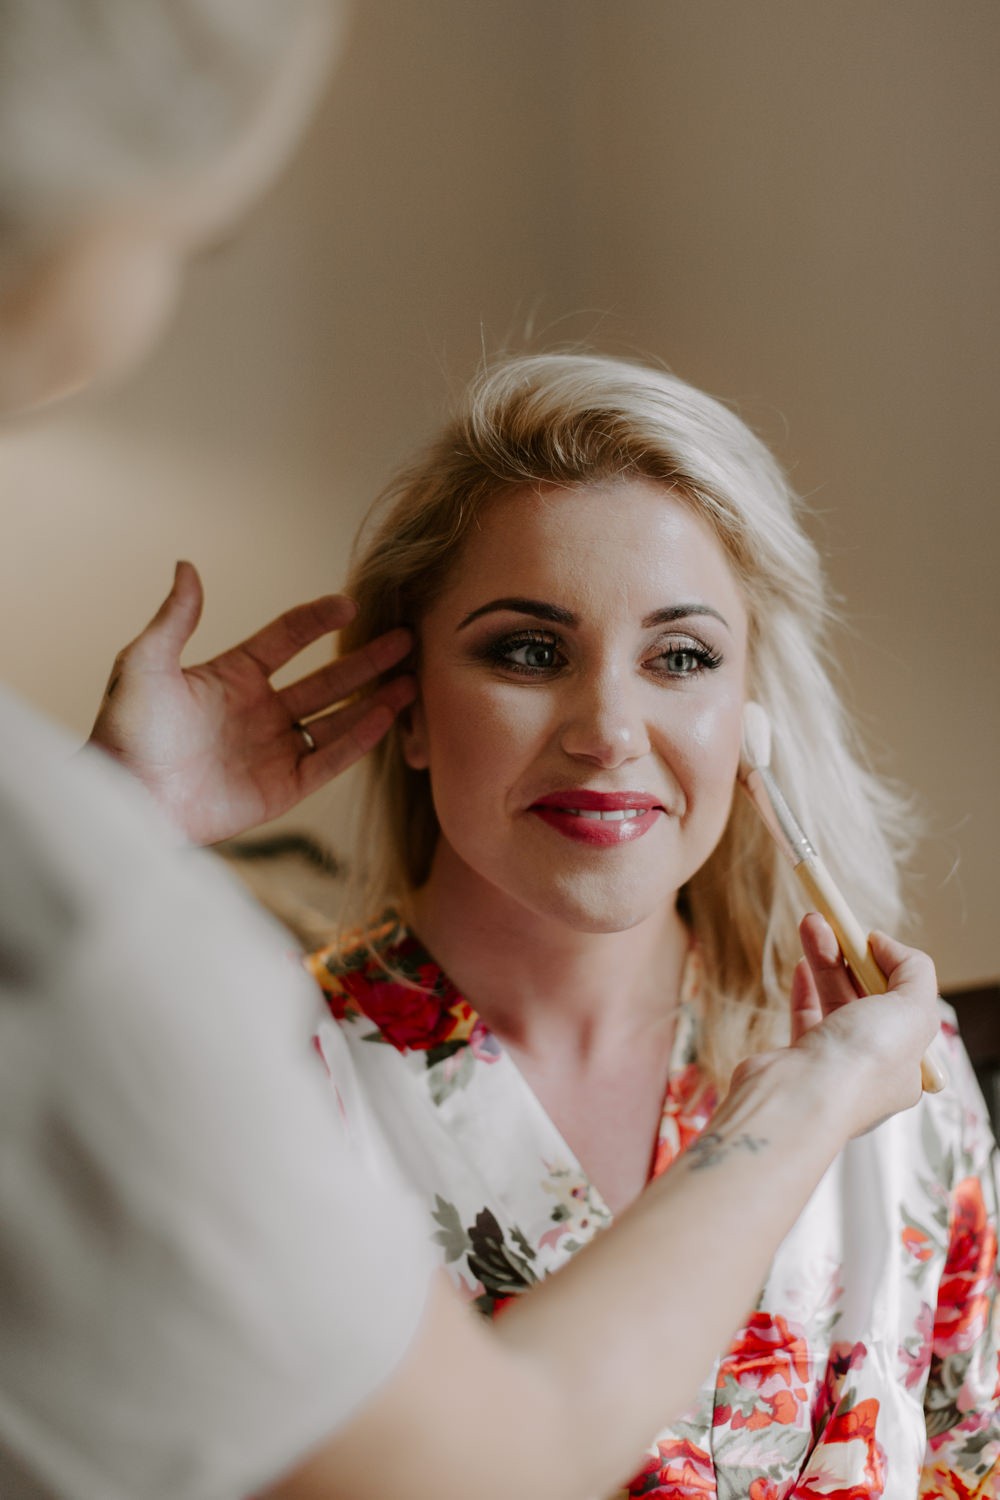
413	737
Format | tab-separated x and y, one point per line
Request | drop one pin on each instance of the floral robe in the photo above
869	1366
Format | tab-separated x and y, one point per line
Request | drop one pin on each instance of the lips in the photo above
598	818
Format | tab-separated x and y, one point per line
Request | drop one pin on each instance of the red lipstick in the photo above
598	818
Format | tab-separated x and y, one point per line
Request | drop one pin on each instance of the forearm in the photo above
581	1372
584	1369
664	1290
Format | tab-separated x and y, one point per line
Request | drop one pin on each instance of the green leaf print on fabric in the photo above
451	1236
450	1071
941	1405
502	1271
940	1157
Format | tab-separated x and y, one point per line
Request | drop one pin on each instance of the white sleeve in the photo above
197	1282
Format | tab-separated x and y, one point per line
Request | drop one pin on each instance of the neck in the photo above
540	983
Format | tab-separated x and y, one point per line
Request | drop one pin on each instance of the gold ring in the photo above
307	738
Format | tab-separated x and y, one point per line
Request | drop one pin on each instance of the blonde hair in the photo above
571	419
99	100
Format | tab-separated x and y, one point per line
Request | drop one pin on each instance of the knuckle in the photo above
748	1069
924	970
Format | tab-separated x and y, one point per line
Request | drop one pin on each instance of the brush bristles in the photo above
756	748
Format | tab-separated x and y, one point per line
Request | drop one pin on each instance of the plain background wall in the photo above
793	205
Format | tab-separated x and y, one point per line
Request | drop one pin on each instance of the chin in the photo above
601	906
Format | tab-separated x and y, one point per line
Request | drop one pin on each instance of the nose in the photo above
604	720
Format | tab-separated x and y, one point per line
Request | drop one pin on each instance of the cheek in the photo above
717	733
480	736
706	748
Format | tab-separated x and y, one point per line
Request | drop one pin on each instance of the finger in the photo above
173	625
903	967
806	1009
393	695
912	977
834	985
358	730
275	643
339	679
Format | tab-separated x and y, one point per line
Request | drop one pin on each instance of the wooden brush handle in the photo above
825	896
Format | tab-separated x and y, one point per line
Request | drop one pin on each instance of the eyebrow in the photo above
540	609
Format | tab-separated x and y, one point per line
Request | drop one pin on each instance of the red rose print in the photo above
417	1012
858	1470
963	1296
407	1017
769	1365
916	1361
945	1484
686	1111
340	1002
917	1243
840	1361
678	1471
766	1489
968	1221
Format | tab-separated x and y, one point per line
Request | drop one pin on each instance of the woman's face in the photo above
581	696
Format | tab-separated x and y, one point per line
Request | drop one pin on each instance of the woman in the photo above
215	745
601	565
218	747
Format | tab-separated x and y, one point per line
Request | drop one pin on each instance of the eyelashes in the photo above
538	654
690	659
529	653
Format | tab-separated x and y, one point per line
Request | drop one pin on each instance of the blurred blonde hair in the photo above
101	98
571	419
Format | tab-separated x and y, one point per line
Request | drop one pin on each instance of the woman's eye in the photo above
687	660
536	655
682	662
527	654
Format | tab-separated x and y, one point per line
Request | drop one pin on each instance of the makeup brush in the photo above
823	894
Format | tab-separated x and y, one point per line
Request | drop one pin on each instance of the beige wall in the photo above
794	205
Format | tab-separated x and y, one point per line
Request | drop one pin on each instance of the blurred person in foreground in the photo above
190	1243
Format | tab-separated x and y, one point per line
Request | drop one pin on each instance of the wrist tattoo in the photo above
711	1148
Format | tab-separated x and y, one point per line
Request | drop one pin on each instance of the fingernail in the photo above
827	947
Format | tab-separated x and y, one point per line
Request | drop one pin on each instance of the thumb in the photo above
173	625
904	968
